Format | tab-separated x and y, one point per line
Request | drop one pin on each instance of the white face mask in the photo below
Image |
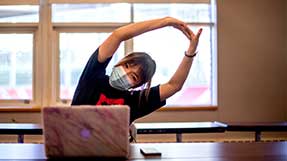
119	79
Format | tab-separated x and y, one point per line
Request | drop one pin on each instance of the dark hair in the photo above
147	67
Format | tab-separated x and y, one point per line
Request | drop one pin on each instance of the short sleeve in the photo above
92	74
146	106
94	69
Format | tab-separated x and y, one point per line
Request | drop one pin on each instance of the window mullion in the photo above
45	29
129	47
36	70
55	65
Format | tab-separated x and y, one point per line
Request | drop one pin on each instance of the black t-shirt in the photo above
94	89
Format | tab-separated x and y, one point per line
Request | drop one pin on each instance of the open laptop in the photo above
86	131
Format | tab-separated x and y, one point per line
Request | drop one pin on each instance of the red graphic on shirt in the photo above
103	100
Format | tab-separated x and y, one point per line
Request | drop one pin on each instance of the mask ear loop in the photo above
141	88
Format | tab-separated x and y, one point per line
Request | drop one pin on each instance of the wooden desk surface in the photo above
259	151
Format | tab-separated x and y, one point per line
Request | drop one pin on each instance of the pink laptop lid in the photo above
86	131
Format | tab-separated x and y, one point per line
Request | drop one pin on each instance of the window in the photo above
165	44
19	13
75	50
168	45
187	12
16	66
100	12
18	25
44	49
168	53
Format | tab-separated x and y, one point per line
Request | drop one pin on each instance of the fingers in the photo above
194	42
190	32
187	32
198	33
196	38
182	26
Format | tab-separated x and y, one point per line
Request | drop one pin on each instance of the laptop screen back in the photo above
86	131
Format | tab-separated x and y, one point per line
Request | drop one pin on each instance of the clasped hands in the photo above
183	27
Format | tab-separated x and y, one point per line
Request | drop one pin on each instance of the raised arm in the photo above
111	44
177	80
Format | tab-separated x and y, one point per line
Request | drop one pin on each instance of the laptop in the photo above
86	131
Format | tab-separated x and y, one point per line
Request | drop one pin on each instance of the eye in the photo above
134	78
126	65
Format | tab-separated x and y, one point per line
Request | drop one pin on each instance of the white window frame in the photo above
31	28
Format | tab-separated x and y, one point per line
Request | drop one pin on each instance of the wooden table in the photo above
256	151
20	129
179	127
257	127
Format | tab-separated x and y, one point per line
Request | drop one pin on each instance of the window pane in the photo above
19	13
185	12
75	50
167	47
106	12
16	66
